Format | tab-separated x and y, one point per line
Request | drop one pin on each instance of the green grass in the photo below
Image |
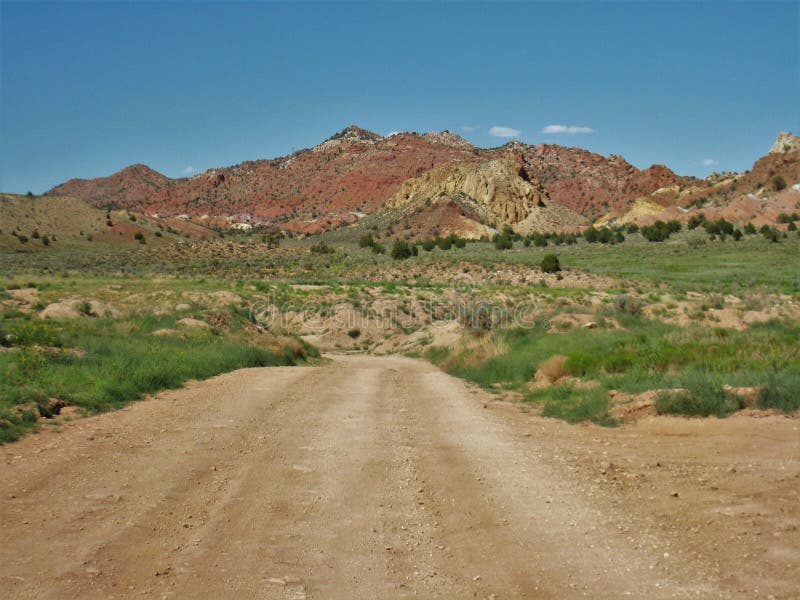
687	260
102	364
647	355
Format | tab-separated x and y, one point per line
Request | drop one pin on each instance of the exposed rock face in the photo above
786	142
495	186
589	183
355	171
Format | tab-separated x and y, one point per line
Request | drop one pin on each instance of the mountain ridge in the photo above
356	171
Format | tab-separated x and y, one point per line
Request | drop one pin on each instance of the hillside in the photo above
28	220
354	172
759	196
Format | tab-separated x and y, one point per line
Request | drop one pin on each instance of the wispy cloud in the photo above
503	132
568	129
390	134
710	162
468	128
188	170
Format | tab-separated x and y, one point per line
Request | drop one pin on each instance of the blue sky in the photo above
90	88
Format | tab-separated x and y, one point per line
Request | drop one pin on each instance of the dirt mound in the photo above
73	308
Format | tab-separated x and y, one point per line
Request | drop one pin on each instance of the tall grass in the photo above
648	355
101	365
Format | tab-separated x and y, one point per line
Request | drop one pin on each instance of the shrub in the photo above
632	228
378	248
540	240
550	263
444	243
45	240
354	333
660	231
138	236
779	183
781	392
630	305
366	241
109	223
23	239
428	245
401	250
503	242
704	399
696	221
322	248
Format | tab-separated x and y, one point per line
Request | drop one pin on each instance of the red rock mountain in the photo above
356	171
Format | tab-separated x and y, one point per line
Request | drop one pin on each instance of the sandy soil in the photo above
385	478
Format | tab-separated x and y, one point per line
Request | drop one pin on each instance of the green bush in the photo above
428	245
401	250
503	242
550	263
322	248
657	232
779	183
704	399
781	391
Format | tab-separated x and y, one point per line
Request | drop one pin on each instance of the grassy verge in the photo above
647	355
102	364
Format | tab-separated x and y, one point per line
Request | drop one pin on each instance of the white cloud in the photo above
468	128
710	162
392	133
568	129
503	132
188	170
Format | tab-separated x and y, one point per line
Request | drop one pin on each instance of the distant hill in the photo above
355	171
25	222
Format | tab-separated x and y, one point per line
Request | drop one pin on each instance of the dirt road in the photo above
385	478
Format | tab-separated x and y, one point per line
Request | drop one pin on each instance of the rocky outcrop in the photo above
786	142
498	189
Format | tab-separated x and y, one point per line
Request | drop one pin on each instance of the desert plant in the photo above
322	248
627	304
401	250
550	263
